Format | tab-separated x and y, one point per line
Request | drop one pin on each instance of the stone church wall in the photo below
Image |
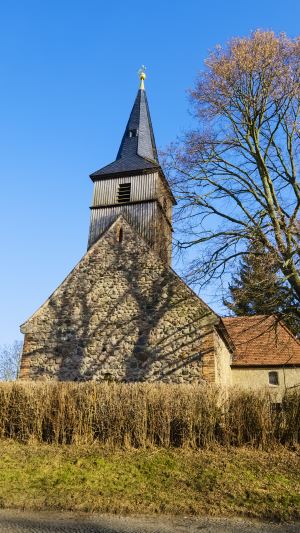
122	315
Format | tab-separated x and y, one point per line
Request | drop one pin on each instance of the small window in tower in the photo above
133	133
124	193
273	378
120	234
165	205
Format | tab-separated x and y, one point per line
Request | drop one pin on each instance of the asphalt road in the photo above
45	522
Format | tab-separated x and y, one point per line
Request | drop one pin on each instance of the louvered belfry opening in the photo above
124	193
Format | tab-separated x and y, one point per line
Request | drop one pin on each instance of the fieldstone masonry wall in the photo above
122	315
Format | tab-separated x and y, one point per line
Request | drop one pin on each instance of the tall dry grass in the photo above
140	415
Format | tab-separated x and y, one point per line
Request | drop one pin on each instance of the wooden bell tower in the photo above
134	184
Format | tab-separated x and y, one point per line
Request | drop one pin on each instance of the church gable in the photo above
122	315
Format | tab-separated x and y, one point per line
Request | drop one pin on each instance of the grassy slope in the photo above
215	482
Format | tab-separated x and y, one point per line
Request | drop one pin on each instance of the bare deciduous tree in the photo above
10	358
237	175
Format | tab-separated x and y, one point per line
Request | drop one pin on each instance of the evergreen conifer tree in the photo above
256	289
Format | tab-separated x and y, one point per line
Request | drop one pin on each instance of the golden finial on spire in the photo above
142	75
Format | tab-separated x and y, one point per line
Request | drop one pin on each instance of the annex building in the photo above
123	314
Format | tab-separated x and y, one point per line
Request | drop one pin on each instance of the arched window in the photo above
120	234
108	376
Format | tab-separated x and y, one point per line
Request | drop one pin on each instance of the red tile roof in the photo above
262	340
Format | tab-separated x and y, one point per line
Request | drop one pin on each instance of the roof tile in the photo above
262	340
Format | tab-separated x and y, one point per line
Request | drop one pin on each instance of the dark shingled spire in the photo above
139	121
137	150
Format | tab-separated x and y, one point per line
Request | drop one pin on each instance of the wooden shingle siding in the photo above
141	216
149	210
142	188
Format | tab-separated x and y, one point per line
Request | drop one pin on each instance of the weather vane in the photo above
142	75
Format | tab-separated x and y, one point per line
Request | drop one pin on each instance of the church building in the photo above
123	314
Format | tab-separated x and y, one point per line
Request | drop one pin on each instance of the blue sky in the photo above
68	78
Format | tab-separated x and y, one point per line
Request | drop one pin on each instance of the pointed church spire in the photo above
137	149
138	138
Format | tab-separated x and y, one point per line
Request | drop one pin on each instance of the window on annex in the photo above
124	193
273	378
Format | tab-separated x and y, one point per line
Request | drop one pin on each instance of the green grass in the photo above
216	482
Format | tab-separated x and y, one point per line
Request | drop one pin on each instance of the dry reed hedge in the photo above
145	414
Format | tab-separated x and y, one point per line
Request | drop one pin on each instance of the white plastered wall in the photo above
258	378
223	360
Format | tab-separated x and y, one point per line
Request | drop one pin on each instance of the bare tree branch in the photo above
237	175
